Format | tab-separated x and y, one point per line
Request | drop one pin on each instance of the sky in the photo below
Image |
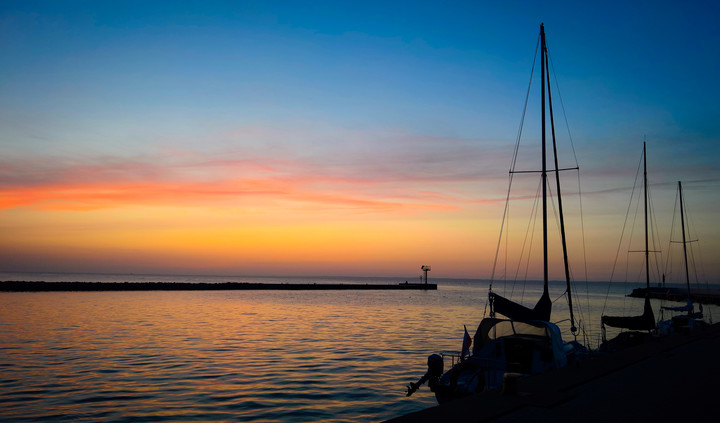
344	138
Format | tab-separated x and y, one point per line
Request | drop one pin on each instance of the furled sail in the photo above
646	321
515	311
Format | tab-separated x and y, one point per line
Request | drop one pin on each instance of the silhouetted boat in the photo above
690	320
525	342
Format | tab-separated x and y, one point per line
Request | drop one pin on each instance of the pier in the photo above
18	286
666	379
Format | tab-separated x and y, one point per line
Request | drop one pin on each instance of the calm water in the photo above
237	355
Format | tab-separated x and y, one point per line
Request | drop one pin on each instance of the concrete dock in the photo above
667	379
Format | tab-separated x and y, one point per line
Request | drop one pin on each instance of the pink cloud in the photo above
366	172
95	186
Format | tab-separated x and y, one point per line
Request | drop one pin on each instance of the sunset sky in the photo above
340	138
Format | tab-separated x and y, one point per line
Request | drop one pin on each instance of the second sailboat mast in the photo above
543	52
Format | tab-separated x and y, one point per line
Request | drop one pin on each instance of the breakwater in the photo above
702	296
40	286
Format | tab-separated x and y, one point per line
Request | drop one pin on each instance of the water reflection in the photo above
244	355
304	356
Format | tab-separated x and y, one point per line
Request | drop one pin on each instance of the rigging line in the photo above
548	170
572	145
533	220
502	228
668	259
509	227
640	202
659	259
522	118
695	266
692	231
580	310
693	262
683	213
622	235
506	238
574	290
506	212
513	163
572	281
654	232
552	203
556	299
556	215
562	106
582	231
529	231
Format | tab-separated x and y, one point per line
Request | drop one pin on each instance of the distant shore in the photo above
41	286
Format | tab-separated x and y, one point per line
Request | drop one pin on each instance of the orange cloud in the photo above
50	184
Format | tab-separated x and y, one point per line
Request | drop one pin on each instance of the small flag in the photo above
466	344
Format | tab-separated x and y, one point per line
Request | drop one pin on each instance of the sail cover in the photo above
687	307
515	311
646	321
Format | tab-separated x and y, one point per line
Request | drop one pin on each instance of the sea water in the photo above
270	356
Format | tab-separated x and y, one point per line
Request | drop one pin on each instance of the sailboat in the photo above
645	321
691	320
525	342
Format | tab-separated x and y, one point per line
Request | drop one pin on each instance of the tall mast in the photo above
682	223
573	329
647	251
543	53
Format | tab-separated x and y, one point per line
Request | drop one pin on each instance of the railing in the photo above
495	369
454	355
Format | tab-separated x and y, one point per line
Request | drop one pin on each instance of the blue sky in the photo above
422	95
443	68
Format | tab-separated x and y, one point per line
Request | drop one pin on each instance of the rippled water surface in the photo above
228	355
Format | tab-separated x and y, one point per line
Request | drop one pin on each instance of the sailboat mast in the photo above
645	321
647	250
563	238
682	223
543	53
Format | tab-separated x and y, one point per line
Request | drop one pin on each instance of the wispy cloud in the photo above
407	173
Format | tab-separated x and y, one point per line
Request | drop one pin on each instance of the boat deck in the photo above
663	380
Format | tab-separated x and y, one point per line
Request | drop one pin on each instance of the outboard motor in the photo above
435	370
436	365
